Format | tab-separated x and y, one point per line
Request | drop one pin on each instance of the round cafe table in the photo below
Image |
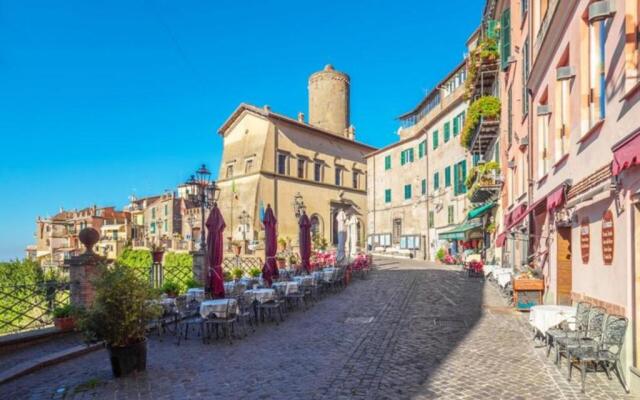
547	316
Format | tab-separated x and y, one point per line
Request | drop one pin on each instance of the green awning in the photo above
458	233
480	211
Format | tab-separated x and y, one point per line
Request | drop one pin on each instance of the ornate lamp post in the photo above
203	192
298	205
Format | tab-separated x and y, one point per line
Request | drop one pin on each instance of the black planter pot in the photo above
126	359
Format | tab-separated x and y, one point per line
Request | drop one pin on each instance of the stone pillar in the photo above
83	269
199	272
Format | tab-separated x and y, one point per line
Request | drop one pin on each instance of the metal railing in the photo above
28	307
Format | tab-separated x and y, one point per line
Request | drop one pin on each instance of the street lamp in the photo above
202	191
298	205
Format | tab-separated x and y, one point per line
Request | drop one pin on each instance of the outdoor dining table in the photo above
328	273
544	317
288	287
195	294
307	280
219	308
502	276
261	295
232	286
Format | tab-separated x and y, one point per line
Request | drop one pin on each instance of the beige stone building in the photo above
269	158
416	186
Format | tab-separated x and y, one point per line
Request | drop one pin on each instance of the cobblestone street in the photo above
410	331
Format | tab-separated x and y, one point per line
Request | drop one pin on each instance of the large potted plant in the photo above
171	289
63	319
119	315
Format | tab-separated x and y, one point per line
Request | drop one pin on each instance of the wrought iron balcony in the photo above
484	136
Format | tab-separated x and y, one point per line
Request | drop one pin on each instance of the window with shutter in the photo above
505	37
407	192
447	177
447	132
387	163
387	196
435	139
424	186
402	158
456	184
436	181
463	177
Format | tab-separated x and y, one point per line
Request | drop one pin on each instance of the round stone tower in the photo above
329	101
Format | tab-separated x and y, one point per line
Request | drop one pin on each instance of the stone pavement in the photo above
412	330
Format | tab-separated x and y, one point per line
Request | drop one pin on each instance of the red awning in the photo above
555	199
501	239
626	156
515	216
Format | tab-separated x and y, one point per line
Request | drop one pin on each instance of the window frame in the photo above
285	163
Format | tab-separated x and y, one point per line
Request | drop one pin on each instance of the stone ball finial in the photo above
89	237
329	67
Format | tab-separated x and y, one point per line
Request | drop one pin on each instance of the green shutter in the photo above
407	192
424	186
447	177
411	154
505	37
387	196
463	176
436	181
447	132
491	29
402	158
456	126
431	219
456	185
387	163
435	140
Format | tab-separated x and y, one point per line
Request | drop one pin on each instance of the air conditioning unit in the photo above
600	10
566	72
524	141
544	109
511	164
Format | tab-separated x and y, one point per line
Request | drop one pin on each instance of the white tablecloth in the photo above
489	268
286	287
547	316
195	294
231	287
219	307
502	276
261	295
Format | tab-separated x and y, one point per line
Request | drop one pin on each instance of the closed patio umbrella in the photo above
305	241
215	225
270	269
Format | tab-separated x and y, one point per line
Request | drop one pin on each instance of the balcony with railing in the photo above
482	126
484	182
484	67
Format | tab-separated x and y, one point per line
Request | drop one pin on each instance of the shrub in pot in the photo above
63	319
236	273
119	315
171	289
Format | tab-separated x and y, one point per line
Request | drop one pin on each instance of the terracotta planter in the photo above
237	250
157	256
126	359
65	324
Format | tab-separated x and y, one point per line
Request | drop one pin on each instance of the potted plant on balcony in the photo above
485	108
119	315
63	319
171	289
157	251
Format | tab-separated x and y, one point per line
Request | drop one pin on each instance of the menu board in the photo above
607	237
585	240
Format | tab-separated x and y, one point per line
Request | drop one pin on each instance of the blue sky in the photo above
100	99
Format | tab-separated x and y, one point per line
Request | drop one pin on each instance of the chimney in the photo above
301	117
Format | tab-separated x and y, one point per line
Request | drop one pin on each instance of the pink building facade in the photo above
584	147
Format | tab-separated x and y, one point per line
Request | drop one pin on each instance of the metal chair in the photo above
605	354
581	321
246	313
189	317
590	337
273	306
226	323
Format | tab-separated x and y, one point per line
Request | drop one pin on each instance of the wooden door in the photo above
564	284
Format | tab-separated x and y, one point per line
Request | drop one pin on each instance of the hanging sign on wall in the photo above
607	237
585	240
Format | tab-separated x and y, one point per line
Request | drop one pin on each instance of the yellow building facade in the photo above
270	159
